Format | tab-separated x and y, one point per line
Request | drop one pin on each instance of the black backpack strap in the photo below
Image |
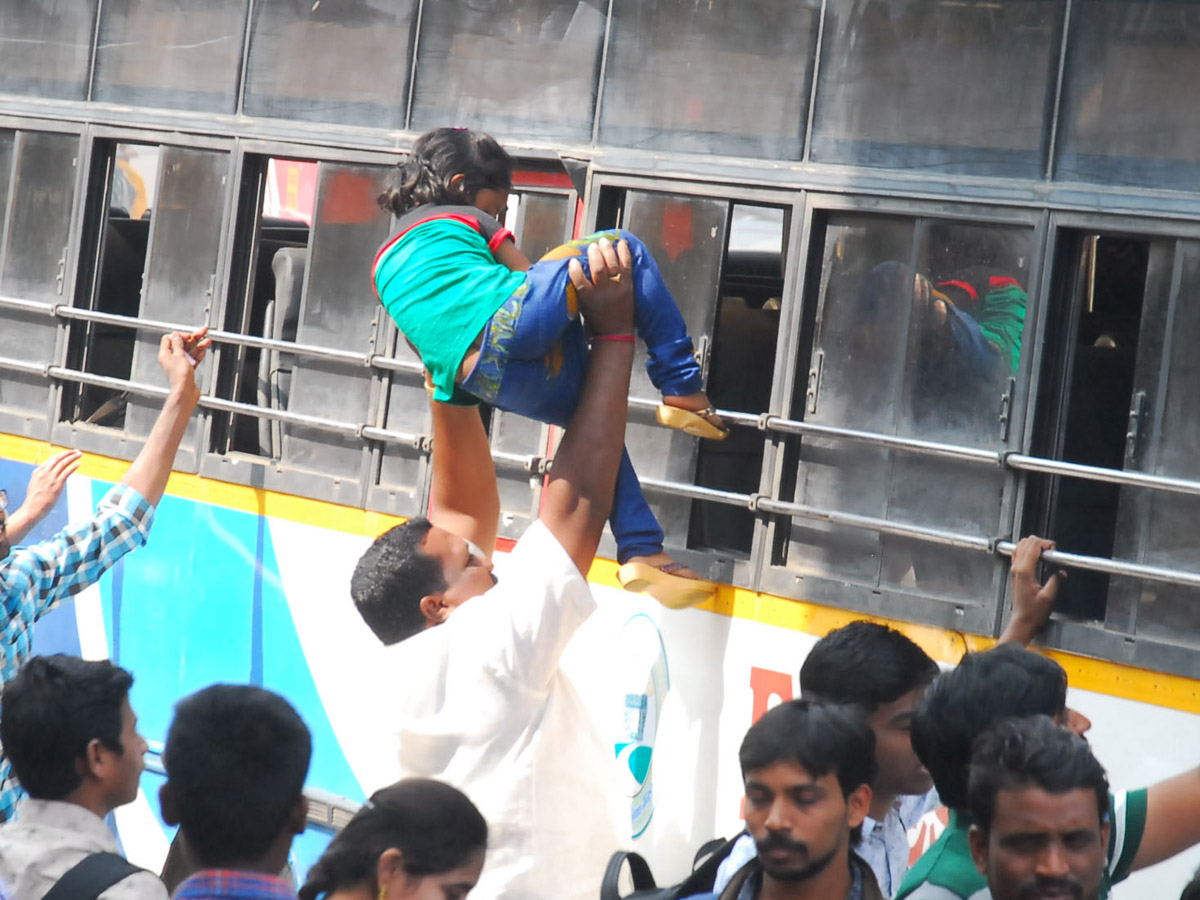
91	877
643	880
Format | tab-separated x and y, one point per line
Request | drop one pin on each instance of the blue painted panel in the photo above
180	615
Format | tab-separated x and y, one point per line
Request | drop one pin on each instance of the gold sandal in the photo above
672	591
694	422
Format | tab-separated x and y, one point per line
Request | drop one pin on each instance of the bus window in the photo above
315	231
1121	122
743	364
918	335
977	81
526	68
38	187
47	48
176	56
160	219
1129	403
331	62
678	74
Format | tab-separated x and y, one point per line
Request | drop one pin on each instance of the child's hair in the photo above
435	827
424	176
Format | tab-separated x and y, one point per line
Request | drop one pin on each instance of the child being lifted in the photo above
490	326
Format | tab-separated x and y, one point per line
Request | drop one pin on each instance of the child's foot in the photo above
672	584
692	414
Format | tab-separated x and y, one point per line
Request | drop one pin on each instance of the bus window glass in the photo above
1122	121
157	259
940	87
176	56
686	236
270	305
337	310
743	363
331	62
33	251
920	329
679	74
46	47
525	68
1156	527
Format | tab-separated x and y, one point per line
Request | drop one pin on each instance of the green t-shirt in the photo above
440	283
946	871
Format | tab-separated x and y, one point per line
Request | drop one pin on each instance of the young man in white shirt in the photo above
482	703
72	740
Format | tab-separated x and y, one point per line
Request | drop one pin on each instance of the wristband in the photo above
615	338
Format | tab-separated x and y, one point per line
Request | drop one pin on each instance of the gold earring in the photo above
383	892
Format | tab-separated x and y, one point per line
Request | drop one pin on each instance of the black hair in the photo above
50	712
1192	891
236	759
1007	681
435	826
392	577
1031	752
425	175
818	737
865	664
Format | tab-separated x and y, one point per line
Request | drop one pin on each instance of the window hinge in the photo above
1135	426
814	381
62	271
1006	409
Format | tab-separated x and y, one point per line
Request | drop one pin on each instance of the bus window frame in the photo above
100	143
984	618
1115	638
739	572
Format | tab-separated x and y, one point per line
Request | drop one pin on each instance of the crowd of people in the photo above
495	770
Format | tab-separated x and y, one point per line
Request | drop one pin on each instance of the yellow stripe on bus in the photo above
1086	673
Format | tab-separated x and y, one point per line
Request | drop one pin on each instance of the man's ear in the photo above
298	820
858	804
979	848
93	759
166	801
434	608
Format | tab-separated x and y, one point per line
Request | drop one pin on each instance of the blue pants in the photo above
534	358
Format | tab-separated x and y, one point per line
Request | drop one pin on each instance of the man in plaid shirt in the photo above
34	579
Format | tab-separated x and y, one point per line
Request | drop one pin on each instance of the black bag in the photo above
704	872
91	877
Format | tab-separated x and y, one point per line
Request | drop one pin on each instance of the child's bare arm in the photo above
508	254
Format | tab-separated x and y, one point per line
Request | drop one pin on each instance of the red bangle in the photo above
615	338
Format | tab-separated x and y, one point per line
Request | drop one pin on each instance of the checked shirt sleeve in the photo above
34	579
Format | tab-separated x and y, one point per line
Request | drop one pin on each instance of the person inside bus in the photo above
1146	825
415	838
1039	811
34	579
71	737
490	326
236	758
807	769
882	674
485	705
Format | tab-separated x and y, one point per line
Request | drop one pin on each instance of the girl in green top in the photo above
490	326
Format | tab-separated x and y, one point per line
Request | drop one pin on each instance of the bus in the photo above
167	164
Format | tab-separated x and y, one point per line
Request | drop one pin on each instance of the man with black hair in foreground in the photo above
484	704
881	674
236	758
1146	826
1039	811
807	769
71	737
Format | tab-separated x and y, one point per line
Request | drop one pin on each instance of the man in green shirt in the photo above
1147	826
1039	802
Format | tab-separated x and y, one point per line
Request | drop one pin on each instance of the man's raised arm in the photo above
578	498
465	501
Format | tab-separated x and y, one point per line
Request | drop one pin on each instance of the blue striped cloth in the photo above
233	884
35	579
